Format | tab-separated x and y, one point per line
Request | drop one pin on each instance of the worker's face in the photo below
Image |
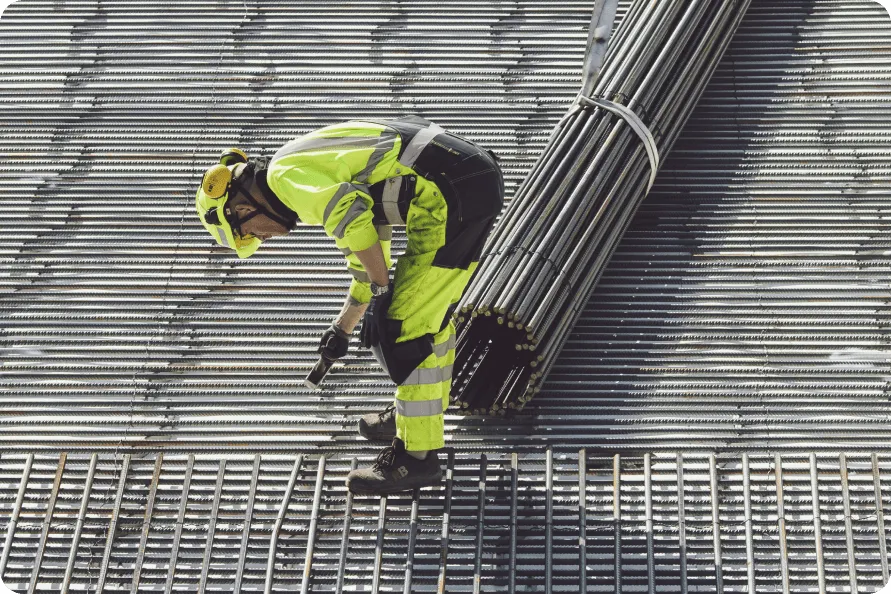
260	226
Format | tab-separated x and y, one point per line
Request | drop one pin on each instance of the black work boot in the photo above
381	425
395	470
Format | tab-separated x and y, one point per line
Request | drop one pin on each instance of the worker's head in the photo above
236	206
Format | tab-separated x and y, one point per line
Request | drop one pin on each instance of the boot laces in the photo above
386	458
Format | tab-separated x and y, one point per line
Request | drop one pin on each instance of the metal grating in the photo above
501	523
122	325
746	310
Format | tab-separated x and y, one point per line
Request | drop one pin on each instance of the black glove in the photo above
374	322
334	344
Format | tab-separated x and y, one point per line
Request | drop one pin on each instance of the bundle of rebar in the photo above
556	237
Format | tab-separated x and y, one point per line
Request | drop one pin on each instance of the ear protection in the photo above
233	156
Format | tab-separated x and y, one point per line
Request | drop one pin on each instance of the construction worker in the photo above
358	179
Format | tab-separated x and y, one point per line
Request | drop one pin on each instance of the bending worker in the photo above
357	179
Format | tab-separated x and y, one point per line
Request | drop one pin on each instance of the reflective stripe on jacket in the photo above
326	178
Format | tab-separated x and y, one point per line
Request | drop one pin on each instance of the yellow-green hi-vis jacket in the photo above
359	178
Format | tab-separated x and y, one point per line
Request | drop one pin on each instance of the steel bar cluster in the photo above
557	235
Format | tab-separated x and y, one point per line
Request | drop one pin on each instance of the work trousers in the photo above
446	226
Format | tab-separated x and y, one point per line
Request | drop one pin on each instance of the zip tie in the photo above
636	124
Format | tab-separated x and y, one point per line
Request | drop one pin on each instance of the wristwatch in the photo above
378	290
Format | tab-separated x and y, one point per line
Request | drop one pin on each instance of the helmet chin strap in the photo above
266	210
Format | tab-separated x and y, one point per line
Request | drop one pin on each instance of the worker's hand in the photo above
334	344
374	322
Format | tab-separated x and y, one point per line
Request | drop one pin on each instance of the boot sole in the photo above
432	483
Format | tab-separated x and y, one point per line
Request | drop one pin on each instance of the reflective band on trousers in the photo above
390	201
423	377
422	408
441	350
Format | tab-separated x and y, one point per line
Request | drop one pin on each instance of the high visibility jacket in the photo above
355	179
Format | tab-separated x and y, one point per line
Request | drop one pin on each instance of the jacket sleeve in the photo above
360	287
320	192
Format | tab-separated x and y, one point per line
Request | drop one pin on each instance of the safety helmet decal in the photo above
210	204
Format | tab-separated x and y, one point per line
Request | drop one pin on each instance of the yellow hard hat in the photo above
211	199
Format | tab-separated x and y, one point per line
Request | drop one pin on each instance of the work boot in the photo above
395	470
381	425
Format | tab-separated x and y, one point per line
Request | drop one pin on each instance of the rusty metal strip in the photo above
283	510
146	523
345	541
716	527
180	519
849	537
78	528
747	503
818	528
549	518
880	517
248	516
648	518
682	524
379	546
617	522
17	510
412	540
512	560
583	523
480	527
781	524
44	532
313	523
212	526
446	513
113	524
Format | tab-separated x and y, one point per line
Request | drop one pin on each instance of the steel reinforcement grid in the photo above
742	326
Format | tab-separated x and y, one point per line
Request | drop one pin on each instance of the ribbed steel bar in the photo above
747	500
345	538
279	520
412	541
849	536
880	517
818	524
146	523
180	522
682	524
552	245
246	531
379	546
446	516
79	525
648	519
549	518
480	527
617	523
44	531
781	523
212	526
313	524
583	522
716	524
512	559
16	511
113	522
